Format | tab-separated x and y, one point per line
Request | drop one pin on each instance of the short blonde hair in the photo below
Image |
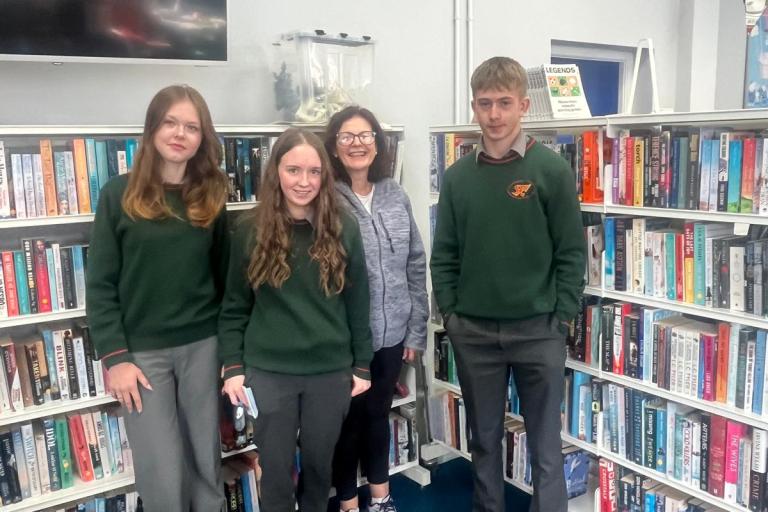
500	73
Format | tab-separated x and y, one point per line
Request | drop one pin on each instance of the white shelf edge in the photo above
520	485
53	409
57	220
77	492
453	450
682	307
668	118
447	386
397	402
582	367
592	208
232	453
37	318
696	215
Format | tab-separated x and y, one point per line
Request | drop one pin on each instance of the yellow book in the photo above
638	175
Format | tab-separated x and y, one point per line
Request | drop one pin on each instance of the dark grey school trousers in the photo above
534	349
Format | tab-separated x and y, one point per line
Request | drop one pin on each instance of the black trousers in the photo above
365	434
534	349
313	406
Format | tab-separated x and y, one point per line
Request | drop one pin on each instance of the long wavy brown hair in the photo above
272	223
204	189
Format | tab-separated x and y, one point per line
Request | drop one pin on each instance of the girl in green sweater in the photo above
156	267
294	324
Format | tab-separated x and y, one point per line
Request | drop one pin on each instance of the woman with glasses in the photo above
396	265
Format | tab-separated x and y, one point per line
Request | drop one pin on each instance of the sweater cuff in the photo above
232	370
116	357
361	371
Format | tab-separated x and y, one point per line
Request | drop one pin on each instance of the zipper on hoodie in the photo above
383	280
386	232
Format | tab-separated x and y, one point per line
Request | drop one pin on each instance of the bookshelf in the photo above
754	121
71	229
81	490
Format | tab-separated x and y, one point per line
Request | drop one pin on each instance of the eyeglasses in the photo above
504	104
348	138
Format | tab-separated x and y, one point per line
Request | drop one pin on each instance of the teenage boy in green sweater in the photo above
507	268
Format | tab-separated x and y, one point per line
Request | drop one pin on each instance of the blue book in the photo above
130	152
102	167
650	501
78	271
101	504
580	379
93	172
52	278
661	440
21	463
610	252
246	485
669	252
734	176
700	376
60	177
22	285
757	395
576	471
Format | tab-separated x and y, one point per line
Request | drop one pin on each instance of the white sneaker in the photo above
388	505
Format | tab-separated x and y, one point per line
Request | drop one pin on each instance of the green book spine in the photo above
65	457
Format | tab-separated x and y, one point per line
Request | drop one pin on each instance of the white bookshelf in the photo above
232	453
54	408
81	490
40	318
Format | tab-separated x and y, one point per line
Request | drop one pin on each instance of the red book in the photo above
609	501
620	337
733	433
679	265
593	192
721	369
80	448
717	430
629	173
709	345
41	276
9	278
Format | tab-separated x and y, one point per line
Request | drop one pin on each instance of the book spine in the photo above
82	178
72	371
80	362
65	454
52	454
5	199
41	276
19	196
9	280
49	179
29	274
37	176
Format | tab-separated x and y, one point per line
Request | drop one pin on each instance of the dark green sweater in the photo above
296	329
152	283
509	241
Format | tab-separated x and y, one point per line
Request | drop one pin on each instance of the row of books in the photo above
692	262
42	277
444	150
113	502
404	438
708	169
447	420
51	366
241	476
517	460
42	457
716	362
622	489
722	457
64	179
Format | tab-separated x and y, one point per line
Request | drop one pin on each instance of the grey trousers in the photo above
314	406
485	351
175	439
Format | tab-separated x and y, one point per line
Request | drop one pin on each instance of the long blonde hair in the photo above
272	223
204	189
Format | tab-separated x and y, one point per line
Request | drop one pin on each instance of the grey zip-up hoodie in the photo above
397	265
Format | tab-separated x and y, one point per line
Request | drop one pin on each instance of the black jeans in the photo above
365	434
485	352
